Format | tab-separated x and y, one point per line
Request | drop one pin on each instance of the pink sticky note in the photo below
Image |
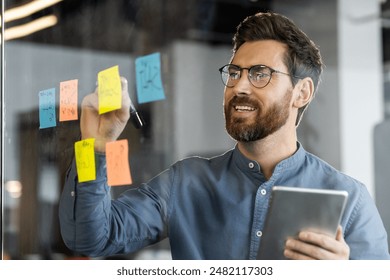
118	168
68	100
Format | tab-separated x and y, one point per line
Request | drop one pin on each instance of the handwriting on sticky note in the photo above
85	160
148	78
118	168
47	113
109	90
68	100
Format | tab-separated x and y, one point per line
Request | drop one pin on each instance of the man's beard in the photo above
265	123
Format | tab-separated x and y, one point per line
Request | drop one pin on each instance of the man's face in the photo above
253	114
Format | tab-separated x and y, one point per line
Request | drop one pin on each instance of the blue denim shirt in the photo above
209	208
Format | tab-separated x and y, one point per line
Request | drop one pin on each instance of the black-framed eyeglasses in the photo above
258	75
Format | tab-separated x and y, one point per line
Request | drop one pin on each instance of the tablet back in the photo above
294	209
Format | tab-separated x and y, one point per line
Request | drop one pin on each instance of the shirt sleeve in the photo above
364	231
92	224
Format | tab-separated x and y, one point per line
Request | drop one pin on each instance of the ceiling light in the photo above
29	28
28	9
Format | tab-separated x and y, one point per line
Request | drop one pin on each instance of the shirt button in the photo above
259	233
263	192
72	193
251	165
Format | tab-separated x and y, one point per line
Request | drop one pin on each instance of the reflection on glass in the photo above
80	39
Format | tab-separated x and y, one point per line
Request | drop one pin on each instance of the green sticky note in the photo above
85	159
109	90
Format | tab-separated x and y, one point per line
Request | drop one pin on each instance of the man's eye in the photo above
259	75
234	75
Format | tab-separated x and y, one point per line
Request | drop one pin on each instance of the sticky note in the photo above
47	112
118	168
109	90
85	159
148	78
68	100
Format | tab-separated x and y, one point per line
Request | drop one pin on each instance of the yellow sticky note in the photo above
85	159
68	100
118	168
109	90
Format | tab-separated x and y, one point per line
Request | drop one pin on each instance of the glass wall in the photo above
75	40
67	40
1	117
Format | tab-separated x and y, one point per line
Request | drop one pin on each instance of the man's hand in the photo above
106	127
316	246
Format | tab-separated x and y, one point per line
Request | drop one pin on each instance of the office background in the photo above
347	124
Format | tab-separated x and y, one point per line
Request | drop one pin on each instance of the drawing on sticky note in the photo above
118	168
68	100
47	113
148	78
85	160
109	90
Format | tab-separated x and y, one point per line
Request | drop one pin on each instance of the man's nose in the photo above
243	85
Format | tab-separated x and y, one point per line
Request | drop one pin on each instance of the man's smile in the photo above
244	108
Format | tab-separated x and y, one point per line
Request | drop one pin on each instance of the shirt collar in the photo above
252	166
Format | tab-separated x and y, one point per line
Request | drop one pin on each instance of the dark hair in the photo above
303	58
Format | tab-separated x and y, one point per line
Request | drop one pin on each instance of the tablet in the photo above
292	210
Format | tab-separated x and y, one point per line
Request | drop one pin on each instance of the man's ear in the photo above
304	92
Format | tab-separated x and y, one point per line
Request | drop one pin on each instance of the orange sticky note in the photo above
118	168
85	159
68	100
109	90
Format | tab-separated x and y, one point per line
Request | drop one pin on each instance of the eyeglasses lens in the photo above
259	75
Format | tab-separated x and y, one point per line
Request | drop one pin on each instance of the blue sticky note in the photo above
47	105
148	78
